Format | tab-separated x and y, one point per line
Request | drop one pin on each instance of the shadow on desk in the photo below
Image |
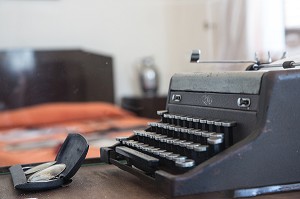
107	181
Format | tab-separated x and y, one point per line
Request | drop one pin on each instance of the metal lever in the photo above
196	54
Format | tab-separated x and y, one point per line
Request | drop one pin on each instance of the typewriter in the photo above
221	131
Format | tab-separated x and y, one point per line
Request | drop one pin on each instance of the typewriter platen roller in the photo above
220	131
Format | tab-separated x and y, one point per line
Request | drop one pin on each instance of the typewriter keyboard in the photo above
177	143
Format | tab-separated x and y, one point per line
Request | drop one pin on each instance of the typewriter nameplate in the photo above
217	100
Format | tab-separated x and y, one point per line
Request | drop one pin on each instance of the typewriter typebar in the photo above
220	131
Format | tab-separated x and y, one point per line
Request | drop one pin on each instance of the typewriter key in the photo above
219	128
172	156
216	145
161	113
197	136
172	119
165	130
164	154
179	159
211	124
182	121
177	148
176	132
190	134
217	135
186	164
201	153
166	118
160	127
171	131
189	122
206	135
183	133
153	126
177	120
162	142
204	125
159	151
169	144
196	123
228	132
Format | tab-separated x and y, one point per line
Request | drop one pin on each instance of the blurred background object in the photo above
148	77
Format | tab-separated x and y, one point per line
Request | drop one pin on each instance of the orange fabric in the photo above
58	112
35	134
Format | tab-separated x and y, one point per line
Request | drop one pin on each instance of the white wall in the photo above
128	30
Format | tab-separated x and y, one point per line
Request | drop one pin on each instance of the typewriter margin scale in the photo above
266	154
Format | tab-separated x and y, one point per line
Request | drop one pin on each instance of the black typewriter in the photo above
221	131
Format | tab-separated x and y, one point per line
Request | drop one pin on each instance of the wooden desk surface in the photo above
107	181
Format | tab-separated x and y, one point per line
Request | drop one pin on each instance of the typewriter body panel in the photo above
264	146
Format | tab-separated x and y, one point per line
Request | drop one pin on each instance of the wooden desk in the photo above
107	181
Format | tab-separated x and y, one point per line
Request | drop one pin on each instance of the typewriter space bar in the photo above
137	156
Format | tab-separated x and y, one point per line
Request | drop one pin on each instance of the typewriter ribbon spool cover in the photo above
71	154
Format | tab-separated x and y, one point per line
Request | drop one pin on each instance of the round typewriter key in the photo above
167	118
172	119
197	136
176	133
149	148
206	135
152	125
211	124
216	145
217	135
169	144
157	152
121	139
196	123
185	149
177	148
190	150
162	143
153	150
177	120
182	121
161	114
160	127
171	131
144	146
183	133
180	159
159	140
186	164
172	156
165	154
190	134
203	123
139	134
165	130
189	121
219	127
201	153
228	132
